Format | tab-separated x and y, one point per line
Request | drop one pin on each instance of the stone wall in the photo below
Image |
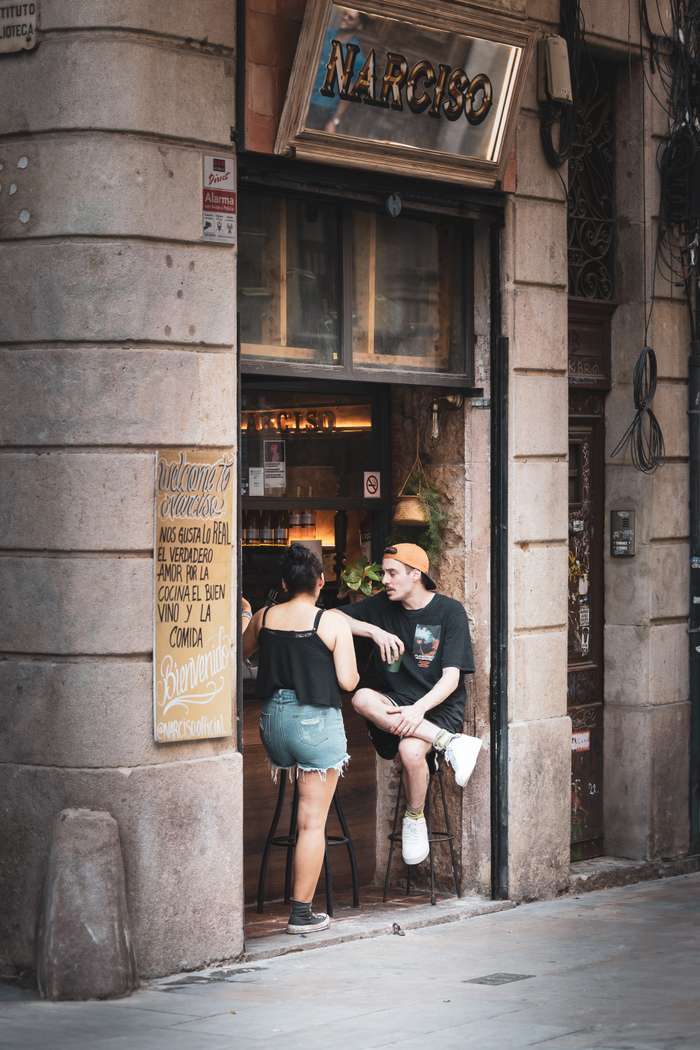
535	320
647	711
117	337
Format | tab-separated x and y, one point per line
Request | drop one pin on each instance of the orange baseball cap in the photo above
414	557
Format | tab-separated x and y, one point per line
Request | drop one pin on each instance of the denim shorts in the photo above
303	735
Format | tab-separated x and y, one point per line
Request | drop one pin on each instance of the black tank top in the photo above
297	660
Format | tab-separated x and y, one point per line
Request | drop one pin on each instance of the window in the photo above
288	280
407	308
352	290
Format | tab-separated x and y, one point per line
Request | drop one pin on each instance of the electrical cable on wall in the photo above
674	56
644	436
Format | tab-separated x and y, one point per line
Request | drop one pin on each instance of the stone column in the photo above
646	608
117	336
535	307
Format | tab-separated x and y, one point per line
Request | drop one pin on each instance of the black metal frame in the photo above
426	204
694	586
591	211
499	584
289	842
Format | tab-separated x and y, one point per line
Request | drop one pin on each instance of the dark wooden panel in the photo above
586	612
358	789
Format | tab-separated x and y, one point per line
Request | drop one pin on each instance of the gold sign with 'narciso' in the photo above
192	665
439	92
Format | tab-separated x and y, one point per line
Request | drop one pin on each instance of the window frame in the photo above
346	369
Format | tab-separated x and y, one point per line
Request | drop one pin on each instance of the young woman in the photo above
306	657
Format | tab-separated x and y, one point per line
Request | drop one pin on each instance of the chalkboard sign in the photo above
192	661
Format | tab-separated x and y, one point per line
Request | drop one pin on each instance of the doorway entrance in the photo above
585	621
314	469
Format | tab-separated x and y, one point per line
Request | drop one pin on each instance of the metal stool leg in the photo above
262	877
350	848
430	846
292	844
328	877
448	829
392	837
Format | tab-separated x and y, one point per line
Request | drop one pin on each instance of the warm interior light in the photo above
308	419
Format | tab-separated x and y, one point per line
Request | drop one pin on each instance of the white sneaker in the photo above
414	840
462	753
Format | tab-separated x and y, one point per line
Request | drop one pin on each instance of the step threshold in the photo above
380	922
603	873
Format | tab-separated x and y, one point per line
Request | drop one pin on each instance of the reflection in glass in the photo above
408	293
288	280
324	441
387	81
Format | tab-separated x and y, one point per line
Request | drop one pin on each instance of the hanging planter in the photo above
409	510
418	513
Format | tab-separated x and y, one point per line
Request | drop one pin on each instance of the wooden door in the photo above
585	621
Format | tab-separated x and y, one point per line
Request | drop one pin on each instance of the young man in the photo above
424	642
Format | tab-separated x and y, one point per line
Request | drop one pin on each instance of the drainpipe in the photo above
694	575
499	582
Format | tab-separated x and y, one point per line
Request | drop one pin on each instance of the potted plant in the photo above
361	579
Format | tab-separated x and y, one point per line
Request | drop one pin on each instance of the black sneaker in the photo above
304	920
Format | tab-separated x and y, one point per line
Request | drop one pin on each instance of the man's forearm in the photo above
441	690
359	628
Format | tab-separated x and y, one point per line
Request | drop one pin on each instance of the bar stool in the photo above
289	842
434	835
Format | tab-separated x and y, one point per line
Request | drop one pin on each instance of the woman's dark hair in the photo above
300	570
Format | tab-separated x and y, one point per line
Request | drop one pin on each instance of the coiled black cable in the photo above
644	436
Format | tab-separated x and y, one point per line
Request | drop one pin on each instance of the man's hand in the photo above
390	646
407	719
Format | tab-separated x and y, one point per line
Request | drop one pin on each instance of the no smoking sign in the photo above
373	484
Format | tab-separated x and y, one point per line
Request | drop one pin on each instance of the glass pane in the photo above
288	272
408	294
305	445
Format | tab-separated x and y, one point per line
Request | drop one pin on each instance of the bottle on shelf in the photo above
267	528
282	528
244	527
253	527
295	519
308	520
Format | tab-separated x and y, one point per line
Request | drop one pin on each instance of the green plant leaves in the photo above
362	576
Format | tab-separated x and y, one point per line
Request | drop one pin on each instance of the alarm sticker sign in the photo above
219	204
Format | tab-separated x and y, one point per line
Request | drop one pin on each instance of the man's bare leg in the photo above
413	754
461	751
374	706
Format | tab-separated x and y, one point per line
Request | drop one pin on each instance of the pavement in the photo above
610	969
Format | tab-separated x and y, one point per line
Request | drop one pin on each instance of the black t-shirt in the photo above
435	637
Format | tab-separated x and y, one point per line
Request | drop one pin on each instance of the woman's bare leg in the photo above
315	797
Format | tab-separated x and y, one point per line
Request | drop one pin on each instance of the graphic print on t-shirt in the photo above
426	642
